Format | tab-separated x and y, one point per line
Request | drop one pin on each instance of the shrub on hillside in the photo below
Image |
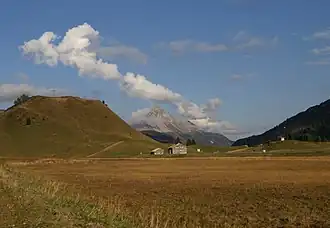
21	99
28	121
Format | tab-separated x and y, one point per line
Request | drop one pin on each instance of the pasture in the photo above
200	192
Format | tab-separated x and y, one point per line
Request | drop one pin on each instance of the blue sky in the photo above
265	60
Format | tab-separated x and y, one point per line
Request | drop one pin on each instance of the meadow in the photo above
183	192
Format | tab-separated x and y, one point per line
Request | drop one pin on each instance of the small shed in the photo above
178	148
157	151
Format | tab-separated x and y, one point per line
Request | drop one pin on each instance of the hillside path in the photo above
105	149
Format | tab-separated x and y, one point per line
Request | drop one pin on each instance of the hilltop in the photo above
310	125
64	127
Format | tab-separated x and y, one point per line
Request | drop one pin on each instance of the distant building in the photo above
281	138
157	151
178	148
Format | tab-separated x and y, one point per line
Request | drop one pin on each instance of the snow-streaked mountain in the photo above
157	122
158	119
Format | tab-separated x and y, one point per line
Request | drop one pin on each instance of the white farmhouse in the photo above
178	148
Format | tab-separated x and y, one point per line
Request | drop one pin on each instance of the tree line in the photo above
189	142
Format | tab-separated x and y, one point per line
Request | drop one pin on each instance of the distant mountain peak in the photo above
161	121
157	111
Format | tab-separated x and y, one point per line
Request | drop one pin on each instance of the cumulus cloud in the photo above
190	110
181	46
138	86
215	126
80	48
75	50
203	116
213	104
9	92
211	107
140	113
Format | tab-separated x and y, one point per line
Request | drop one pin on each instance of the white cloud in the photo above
75	50
321	51
181	46
123	51
138	86
190	110
202	115
213	104
140	113
194	111
321	62
9	92
216	126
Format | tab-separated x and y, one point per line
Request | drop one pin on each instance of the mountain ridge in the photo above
158	123
313	124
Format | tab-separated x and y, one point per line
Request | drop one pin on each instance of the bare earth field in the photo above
204	192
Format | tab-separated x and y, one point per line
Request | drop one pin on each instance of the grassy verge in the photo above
27	201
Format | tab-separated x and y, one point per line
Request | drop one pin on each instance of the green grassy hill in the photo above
289	147
297	146
65	127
